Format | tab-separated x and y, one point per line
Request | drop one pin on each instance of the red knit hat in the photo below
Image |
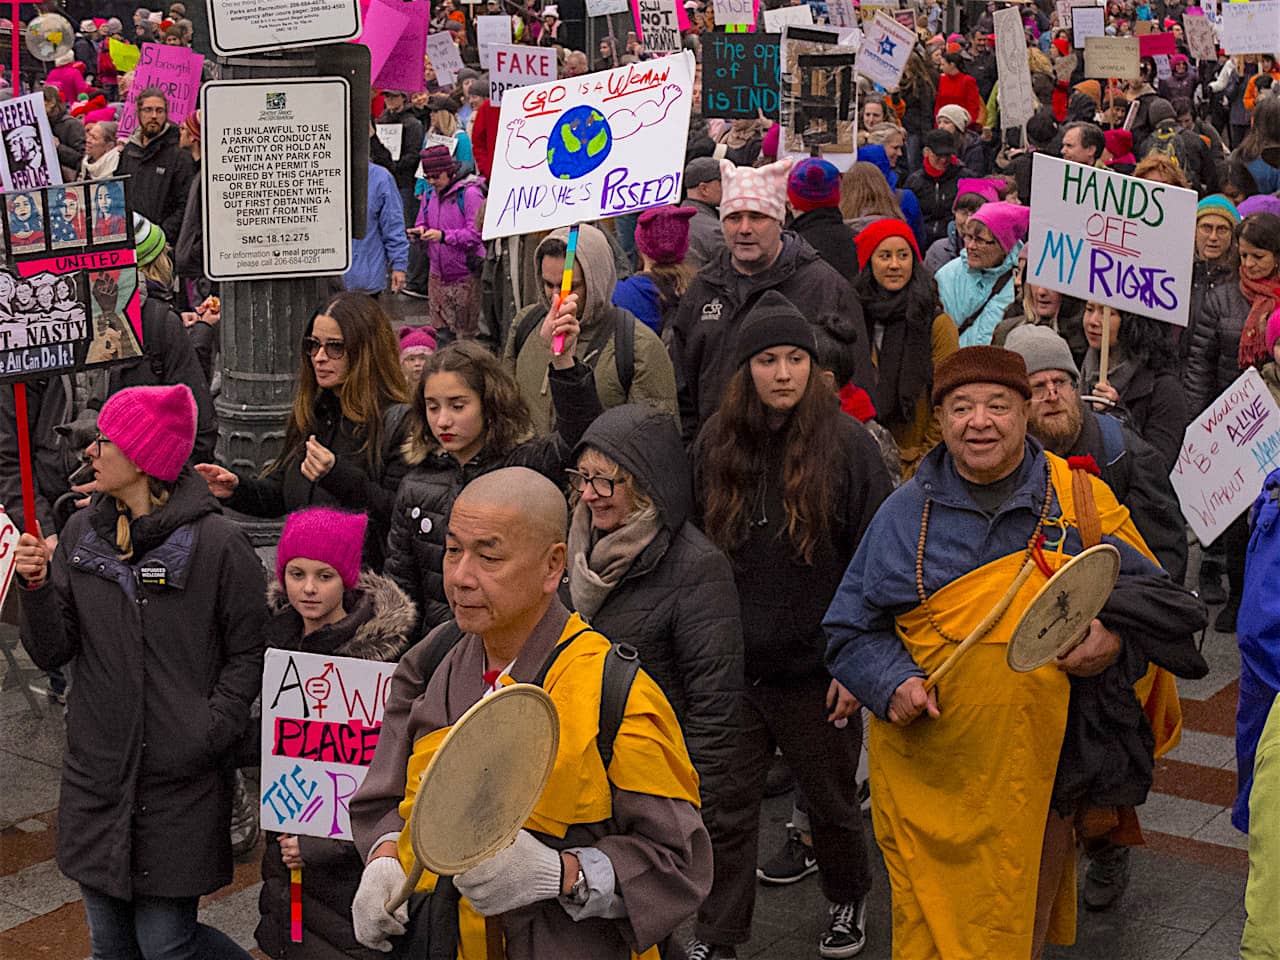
878	232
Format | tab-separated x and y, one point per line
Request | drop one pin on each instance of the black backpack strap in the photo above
624	353
999	285
621	665
444	640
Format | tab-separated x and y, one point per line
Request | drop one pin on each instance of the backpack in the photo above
1166	140
475	261
624	343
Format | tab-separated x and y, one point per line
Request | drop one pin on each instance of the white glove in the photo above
524	873
382	879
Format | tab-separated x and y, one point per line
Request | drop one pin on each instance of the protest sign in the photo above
1163	69
321	719
491	30
1111	57
590	147
444	57
1157	44
869	11
885	48
1226	453
444	140
736	12
740	75
395	31
391	135
775	20
175	70
383	25
248	26
1144	27
841	13
658	25
906	17
44	324
8	553
1112	239
1064	13
1200	39
603	8
29	158
1087	22
277	193
1252	27
1017	100
818	105
521	66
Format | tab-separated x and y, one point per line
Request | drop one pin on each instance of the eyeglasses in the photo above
603	486
97	443
333	349
978	240
1059	384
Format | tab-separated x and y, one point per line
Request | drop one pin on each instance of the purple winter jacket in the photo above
461	236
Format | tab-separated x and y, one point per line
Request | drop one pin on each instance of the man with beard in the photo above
162	171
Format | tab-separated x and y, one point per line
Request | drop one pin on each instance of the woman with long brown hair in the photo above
342	438
787	484
864	192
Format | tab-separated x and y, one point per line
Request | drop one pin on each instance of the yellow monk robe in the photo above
960	803
649	757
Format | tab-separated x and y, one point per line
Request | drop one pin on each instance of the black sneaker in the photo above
793	862
846	933
1225	622
1106	878
706	951
1211	590
779	779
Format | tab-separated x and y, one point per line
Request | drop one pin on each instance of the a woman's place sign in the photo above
1112	239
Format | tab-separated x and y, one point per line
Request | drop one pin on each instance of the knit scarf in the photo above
904	359
103	167
1262	296
596	566
931	170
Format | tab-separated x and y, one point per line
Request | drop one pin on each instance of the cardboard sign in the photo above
1112	239
1017	100
885	48
1226	454
1087	22
740	75
1144	27
321	719
8	559
444	57
1106	57
659	25
239	27
520	66
1157	44
1201	41
818	106
590	147
740	13
391	135
491	30
842	13
176	71
277	191
1252	27
603	8
29	158
775	20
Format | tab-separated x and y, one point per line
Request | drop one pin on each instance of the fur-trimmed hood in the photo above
379	623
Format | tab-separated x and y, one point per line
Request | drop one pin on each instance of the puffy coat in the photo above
825	231
937	197
168	659
162	173
415	557
1206	275
1153	405
677	604
1213	358
378	626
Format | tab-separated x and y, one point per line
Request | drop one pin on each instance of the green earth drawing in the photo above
579	142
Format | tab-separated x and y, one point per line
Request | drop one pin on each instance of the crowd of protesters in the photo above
760	389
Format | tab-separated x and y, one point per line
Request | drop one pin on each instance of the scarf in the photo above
1262	296
933	171
596	566
904	361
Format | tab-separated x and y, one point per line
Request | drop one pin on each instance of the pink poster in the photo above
1155	44
176	71
396	35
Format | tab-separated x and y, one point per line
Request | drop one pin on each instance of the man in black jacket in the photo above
161	170
936	183
397	112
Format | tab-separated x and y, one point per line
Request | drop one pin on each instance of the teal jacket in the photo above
963	291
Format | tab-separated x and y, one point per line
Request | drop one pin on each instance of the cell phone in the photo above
82	474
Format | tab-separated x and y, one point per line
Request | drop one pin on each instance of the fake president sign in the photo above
321	717
590	147
1112	239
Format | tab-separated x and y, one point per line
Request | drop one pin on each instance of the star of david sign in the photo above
887	46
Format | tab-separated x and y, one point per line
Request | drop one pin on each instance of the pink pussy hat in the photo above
154	427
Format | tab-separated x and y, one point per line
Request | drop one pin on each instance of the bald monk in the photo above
609	864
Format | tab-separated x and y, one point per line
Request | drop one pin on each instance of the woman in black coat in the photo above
342	439
157	598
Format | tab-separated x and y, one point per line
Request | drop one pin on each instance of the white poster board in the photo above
251	26
1064	13
659	25
277	195
595	146
775	20
433	139
1226	453
1017	100
518	66
321	719
1087	22
842	13
886	45
1106	57
491	30
444	57
8	560
1112	239
28	156
1252	27
603	8
1201	42
391	135
739	13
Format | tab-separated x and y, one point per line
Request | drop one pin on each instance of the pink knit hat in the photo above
417	340
662	234
326	536
755	189
1273	329
155	427
1008	221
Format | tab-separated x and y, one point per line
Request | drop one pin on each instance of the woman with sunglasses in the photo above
468	417
342	439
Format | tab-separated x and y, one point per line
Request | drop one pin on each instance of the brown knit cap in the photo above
980	365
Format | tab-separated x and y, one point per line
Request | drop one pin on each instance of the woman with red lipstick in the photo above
468	417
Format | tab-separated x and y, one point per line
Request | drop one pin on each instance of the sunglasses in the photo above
333	349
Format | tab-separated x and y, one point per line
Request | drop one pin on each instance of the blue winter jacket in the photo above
385	243
639	294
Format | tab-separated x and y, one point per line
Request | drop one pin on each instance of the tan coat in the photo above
922	433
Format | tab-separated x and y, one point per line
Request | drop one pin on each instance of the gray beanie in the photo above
1042	349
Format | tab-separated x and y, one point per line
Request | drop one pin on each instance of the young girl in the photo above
468	418
322	603
416	345
787	484
157	597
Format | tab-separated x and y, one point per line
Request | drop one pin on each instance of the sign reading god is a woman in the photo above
1112	239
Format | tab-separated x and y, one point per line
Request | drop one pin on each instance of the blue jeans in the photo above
153	928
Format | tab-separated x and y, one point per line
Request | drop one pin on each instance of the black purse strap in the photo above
1000	283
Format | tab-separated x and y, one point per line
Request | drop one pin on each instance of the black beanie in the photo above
772	322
